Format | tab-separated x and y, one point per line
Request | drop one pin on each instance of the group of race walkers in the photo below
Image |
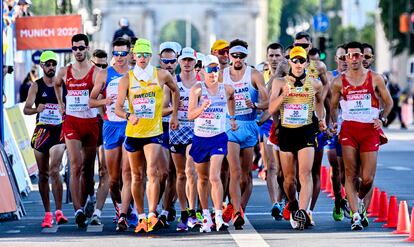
187	130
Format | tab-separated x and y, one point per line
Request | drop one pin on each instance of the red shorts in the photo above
361	136
84	129
273	138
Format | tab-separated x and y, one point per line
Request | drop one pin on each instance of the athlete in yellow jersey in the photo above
143	88
295	97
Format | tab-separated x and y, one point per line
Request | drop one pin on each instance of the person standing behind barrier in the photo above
47	141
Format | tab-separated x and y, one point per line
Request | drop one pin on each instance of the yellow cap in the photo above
219	44
142	46
298	51
48	55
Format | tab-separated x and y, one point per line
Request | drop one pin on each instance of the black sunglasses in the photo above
100	65
168	61
239	55
368	56
297	60
223	51
50	64
80	48
303	45
342	57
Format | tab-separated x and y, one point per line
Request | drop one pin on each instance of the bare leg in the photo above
246	181
305	160
56	154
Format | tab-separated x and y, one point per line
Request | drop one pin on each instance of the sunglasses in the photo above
168	61
80	48
50	64
212	69
239	55
144	55
119	53
298	60
368	56
342	57
223	51
303	45
354	55
100	65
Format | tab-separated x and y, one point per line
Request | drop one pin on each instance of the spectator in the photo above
124	32
31	77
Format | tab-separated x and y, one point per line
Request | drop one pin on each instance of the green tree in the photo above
390	17
274	14
176	31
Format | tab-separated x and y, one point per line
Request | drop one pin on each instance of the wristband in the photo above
232	117
127	115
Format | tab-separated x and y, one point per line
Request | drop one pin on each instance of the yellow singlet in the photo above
145	99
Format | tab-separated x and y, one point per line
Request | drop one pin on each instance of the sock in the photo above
206	213
142	216
123	215
184	216
293	206
219	213
134	210
165	213
151	214
92	198
78	211
192	213
97	212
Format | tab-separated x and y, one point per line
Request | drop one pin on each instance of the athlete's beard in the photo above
81	59
238	67
50	74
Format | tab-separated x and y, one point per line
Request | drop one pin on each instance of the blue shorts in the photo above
179	148
137	144
321	141
113	134
205	147
246	135
166	135
334	144
265	129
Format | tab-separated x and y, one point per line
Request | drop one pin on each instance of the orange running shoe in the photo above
48	220
238	220
286	212
60	218
228	213
142	226
154	223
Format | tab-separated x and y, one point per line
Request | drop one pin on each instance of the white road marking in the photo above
91	228
54	229
399	168
268	213
13	231
248	236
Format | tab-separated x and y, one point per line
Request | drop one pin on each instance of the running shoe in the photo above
122	224
80	219
172	214
291	220
286	212
60	218
89	208
356	223
238	220
207	225
193	222
221	225
309	220
154	223
300	218
345	208
262	174
132	220
337	213
277	211
363	213
228	212
47	220
182	226
142	226
164	221
95	220
199	216
255	167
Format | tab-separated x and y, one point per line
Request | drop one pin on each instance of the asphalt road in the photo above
395	175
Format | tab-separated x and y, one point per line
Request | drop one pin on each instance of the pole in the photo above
2	82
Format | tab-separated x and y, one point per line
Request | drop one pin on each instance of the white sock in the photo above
206	213
165	213
97	212
219	213
142	216
134	210
151	214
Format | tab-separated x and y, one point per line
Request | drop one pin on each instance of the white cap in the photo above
210	59
188	52
201	57
176	47
123	22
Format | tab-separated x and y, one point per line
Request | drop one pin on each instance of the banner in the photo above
47	32
7	199
21	136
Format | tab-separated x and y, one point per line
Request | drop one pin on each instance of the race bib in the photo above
183	117
358	105
50	115
241	107
144	107
110	111
209	123
295	114
77	100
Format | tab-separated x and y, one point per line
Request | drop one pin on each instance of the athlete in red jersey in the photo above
80	126
360	132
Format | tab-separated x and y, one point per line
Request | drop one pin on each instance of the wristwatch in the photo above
127	115
255	105
383	120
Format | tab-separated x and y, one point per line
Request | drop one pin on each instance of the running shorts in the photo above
179	148
246	135
113	134
205	147
294	139
137	144
321	141
361	136
166	135
46	136
100	137
84	129
264	129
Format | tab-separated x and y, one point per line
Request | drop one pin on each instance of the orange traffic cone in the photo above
411	237
403	226
392	213
383	213
323	178
328	188
374	206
